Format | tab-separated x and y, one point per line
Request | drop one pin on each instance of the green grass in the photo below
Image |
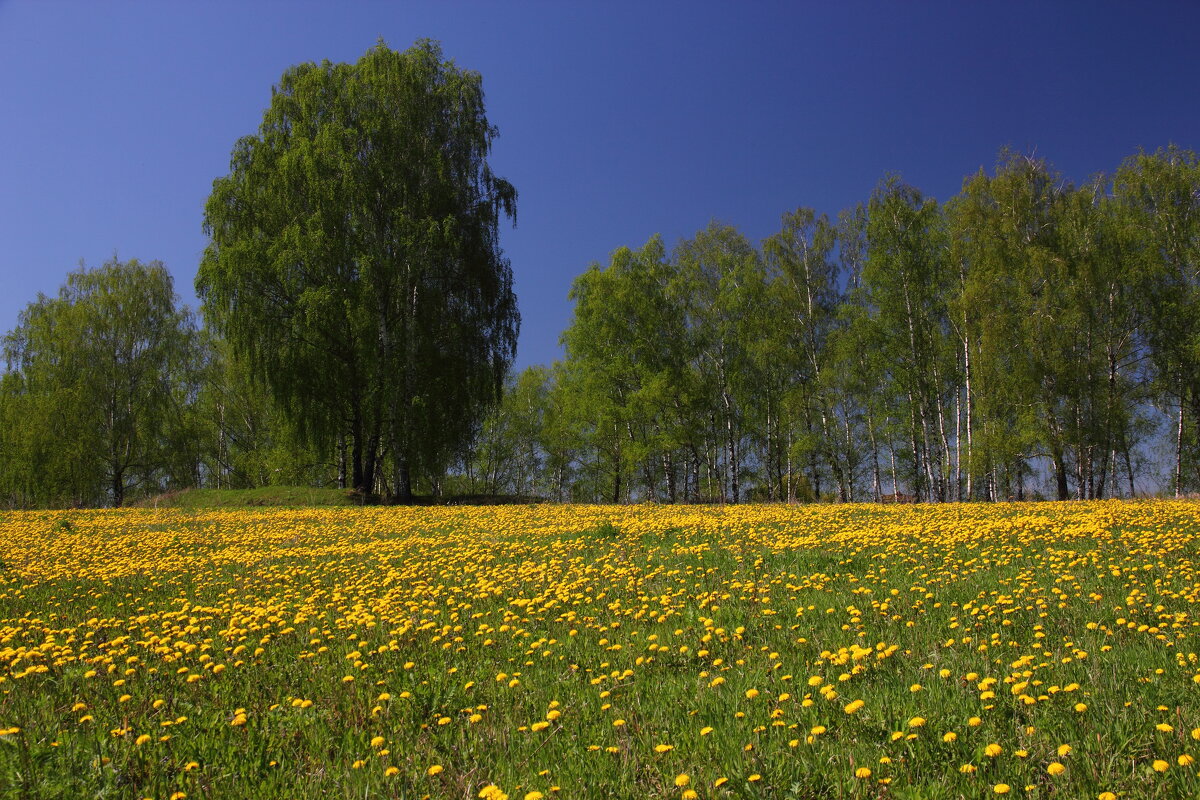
284	496
553	623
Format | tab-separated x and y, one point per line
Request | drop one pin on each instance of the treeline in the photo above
1027	338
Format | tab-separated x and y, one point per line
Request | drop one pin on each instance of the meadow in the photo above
535	652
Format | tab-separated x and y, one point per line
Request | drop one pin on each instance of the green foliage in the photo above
96	396
354	261
1029	337
1159	195
1027	332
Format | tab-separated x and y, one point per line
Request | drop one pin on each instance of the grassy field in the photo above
1036	651
286	496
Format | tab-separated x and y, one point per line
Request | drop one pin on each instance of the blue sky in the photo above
617	120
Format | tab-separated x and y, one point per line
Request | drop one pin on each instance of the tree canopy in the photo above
354	259
98	384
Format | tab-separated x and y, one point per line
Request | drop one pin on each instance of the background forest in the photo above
1027	338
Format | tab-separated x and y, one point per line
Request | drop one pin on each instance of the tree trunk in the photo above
892	456
791	483
958	445
918	488
734	458
695	475
970	399
1128	467
403	481
370	459
876	488
851	461
831	455
616	467
341	446
943	442
814	475
1178	451
1060	471
356	455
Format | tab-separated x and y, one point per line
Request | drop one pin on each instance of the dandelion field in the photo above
1037	651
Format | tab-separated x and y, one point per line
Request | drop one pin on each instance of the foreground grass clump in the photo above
1032	651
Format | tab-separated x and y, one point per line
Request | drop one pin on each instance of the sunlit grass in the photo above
758	651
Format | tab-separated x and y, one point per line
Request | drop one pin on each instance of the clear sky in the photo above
617	120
